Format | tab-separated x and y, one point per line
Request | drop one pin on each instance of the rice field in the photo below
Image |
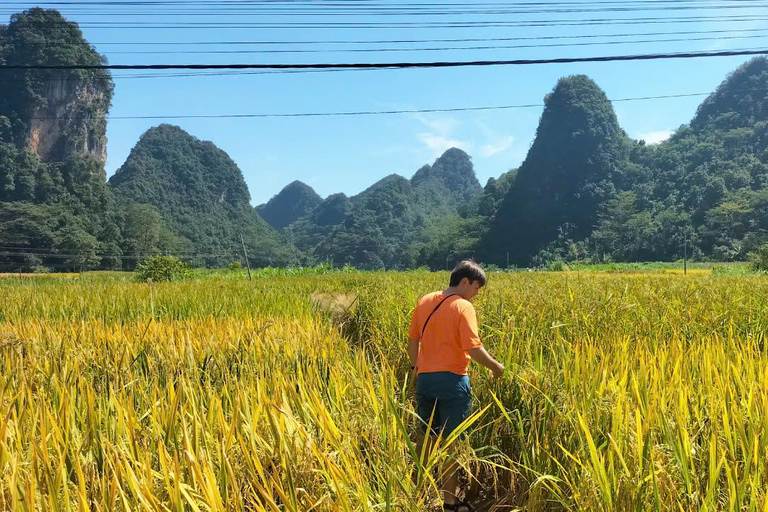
291	393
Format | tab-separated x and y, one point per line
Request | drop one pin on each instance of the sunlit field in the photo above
291	393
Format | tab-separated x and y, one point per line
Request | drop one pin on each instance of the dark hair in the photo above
468	269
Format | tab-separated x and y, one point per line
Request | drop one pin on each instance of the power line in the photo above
406	25
241	72
60	78
399	11
6	250
45	252
370	4
394	65
6	247
418	41
401	111
183	255
404	6
433	49
68	78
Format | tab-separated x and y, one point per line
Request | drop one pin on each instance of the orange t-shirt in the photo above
450	333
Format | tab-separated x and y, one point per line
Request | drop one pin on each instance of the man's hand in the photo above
412	375
497	371
485	359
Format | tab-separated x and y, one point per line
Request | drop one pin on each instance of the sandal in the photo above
459	506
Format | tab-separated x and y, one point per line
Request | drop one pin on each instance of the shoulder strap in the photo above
433	312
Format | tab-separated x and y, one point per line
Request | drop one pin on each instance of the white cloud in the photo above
656	137
439	144
440	136
443	125
498	146
496	143
752	26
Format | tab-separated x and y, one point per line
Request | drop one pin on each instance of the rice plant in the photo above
291	393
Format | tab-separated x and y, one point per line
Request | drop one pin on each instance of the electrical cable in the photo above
394	65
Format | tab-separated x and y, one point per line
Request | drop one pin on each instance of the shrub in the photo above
162	268
557	266
759	259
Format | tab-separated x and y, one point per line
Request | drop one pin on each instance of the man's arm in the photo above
413	351
484	358
471	342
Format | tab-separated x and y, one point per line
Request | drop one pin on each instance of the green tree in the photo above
78	248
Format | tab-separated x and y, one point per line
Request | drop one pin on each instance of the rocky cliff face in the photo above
71	121
57	114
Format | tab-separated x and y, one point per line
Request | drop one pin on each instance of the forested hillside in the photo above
386	224
55	208
201	198
585	191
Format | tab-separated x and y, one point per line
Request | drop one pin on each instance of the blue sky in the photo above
348	154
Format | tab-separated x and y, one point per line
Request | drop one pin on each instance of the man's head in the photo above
467	278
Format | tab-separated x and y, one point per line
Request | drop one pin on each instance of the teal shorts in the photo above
445	399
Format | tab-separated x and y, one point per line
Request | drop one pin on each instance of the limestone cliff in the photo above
57	114
71	121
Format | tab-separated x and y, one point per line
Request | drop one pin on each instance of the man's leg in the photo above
429	414
454	410
450	481
425	444
443	414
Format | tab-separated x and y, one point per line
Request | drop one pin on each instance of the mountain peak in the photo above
332	210
298	185
454	153
180	164
200	193
43	37
452	174
293	202
578	150
740	100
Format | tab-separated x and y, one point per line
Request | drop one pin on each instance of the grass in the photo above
624	392
663	267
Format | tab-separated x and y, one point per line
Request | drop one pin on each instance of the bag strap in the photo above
433	312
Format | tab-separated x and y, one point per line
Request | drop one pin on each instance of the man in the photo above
443	338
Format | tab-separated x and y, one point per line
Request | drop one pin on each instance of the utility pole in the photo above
685	253
245	253
507	260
